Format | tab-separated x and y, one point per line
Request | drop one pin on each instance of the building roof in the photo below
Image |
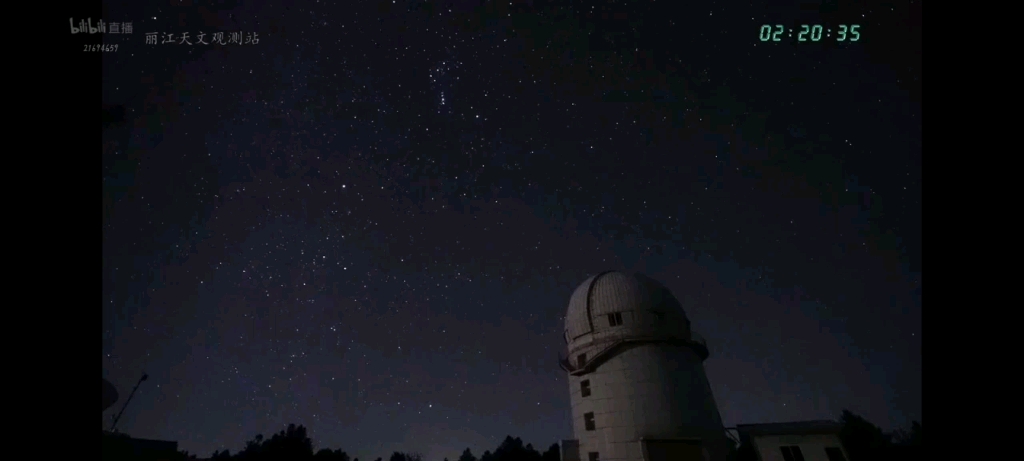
790	428
138	445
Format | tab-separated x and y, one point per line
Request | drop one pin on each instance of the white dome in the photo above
635	295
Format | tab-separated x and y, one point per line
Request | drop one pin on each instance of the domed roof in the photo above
614	291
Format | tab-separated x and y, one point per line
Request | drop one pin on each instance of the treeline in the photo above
293	443
866	442
863	441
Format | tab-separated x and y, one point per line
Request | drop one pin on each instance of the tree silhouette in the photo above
512	449
906	444
908	438
326	454
553	453
863	441
291	443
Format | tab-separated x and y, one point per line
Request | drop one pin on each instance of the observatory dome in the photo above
638	390
651	308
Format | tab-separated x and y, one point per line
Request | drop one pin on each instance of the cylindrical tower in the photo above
636	375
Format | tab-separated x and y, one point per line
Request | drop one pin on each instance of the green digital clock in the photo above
812	33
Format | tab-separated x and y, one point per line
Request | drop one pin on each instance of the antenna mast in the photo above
116	418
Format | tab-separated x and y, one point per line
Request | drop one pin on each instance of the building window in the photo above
585	388
834	454
615	319
659	315
581	360
792	453
588	422
593	456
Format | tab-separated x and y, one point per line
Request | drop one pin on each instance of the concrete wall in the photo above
812	446
647	391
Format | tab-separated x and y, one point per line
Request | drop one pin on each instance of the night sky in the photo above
370	221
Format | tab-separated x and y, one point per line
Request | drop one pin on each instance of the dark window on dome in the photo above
581	360
792	453
615	319
567	336
659	315
585	388
588	421
592	456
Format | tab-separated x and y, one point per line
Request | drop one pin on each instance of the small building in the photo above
122	447
794	441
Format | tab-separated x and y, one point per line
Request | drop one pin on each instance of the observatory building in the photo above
637	385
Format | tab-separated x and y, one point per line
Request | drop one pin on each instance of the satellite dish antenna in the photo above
116	418
109	394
